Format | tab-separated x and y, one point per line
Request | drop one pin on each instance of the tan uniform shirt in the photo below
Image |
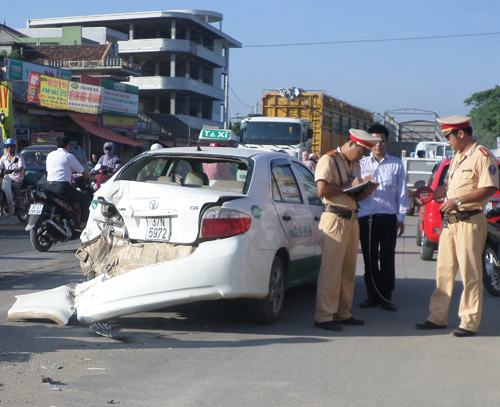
477	168
336	170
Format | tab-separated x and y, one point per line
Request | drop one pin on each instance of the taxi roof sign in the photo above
217	135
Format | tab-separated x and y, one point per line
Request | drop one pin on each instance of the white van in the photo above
432	149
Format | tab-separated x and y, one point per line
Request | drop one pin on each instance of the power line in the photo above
424	37
236	96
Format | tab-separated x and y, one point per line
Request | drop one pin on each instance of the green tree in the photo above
485	114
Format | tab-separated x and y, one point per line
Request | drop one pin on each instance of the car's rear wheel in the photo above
491	270
426	251
268	309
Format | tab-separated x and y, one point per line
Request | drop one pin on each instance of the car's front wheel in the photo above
268	309
491	270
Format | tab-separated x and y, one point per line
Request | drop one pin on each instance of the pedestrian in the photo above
307	160
12	168
155	146
93	160
472	178
381	220
336	171
60	164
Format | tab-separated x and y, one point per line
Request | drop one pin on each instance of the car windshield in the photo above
271	133
34	160
218	173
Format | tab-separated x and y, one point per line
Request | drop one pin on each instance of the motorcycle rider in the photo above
60	164
12	168
109	160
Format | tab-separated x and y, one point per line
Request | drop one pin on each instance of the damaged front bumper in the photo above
137	277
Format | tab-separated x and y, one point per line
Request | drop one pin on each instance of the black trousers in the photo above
379	257
70	194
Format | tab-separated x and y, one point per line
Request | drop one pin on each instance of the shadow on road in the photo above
186	326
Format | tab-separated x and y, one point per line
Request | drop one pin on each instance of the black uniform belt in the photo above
460	216
342	212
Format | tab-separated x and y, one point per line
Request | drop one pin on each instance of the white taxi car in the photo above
188	224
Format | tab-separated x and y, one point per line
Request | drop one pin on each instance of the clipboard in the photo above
358	188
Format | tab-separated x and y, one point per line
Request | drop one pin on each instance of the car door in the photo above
308	186
295	218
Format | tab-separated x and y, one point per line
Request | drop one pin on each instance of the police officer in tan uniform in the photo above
336	171
472	179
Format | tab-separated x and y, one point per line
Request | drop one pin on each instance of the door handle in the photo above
286	217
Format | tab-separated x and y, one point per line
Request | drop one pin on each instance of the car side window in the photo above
307	179
285	188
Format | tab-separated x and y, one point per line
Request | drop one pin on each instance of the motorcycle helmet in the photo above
108	146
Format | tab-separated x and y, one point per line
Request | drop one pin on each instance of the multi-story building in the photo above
182	57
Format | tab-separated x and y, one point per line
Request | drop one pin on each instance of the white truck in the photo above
419	166
276	134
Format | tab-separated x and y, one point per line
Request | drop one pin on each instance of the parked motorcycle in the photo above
52	219
21	199
491	262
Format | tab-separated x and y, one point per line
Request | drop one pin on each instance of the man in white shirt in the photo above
60	164
381	220
12	168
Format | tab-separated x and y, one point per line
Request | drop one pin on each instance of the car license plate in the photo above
35	209
158	228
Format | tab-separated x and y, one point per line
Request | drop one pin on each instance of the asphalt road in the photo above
209	354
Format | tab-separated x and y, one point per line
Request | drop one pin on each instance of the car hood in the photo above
181	207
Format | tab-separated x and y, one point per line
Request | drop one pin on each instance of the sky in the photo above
436	75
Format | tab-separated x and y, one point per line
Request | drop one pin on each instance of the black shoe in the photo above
369	303
430	325
328	325
388	306
351	321
462	333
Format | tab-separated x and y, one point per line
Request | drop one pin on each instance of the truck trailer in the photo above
330	118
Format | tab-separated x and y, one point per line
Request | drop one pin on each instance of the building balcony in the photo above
152	45
107	64
176	84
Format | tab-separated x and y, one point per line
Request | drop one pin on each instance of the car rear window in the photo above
218	173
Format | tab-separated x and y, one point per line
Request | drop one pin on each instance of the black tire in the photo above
418	236
491	270
268	309
23	216
426	252
38	242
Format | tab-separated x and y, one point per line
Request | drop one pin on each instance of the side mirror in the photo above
310	134
419	184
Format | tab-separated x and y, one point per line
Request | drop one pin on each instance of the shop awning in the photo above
103	133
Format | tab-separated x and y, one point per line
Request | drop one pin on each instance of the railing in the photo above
93	64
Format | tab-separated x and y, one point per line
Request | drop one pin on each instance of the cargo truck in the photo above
285	134
329	118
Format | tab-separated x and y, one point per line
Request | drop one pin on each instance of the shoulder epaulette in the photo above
331	153
484	151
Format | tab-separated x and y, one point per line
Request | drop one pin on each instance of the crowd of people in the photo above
375	216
